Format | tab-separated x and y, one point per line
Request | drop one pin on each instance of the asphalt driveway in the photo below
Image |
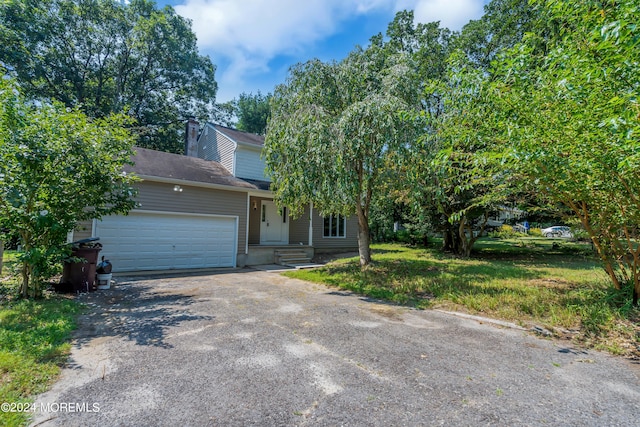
255	348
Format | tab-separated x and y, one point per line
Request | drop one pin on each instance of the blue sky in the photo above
254	42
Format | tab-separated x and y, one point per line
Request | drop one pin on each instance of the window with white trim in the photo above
335	226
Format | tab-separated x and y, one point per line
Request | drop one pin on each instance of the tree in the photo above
573	118
106	56
459	172
503	25
253	112
333	128
57	168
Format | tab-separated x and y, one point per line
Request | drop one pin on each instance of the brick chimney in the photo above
191	137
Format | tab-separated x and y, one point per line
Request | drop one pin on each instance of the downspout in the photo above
246	237
311	224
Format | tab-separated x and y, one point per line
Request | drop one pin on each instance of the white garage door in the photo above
158	241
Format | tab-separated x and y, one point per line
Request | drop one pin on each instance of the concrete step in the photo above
289	260
290	256
300	266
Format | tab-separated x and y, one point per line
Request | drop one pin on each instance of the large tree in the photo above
107	56
459	174
57	167
574	120
334	127
253	112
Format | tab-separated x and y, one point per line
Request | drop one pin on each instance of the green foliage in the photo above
33	346
458	168
503	25
506	232
104	56
335	129
573	117
253	112
57	168
531	284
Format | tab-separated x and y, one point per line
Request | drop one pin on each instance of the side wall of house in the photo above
156	196
249	164
83	230
212	145
350	241
254	219
299	229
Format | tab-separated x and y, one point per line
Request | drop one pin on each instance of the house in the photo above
212	208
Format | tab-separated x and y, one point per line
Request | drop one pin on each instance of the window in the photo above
335	226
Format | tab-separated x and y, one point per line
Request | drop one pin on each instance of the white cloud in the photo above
453	14
250	32
247	34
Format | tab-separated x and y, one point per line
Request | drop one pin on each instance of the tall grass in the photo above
34	344
530	281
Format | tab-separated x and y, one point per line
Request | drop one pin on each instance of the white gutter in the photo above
203	184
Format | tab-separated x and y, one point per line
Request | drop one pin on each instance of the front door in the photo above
274	225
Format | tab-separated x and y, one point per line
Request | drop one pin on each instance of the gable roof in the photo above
151	163
240	136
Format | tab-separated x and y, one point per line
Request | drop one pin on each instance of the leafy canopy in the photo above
107	56
57	167
573	117
332	130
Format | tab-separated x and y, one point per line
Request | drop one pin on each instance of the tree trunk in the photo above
465	246
24	289
364	240
450	241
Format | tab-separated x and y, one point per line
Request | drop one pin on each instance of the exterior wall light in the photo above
177	188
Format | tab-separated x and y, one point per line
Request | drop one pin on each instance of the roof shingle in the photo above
174	166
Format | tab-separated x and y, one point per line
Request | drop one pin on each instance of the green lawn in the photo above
529	281
33	343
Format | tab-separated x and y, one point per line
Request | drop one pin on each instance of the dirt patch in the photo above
391	313
328	257
551	283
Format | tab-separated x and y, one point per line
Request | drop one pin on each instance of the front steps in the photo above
293	258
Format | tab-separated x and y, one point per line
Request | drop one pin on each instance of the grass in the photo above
33	343
551	283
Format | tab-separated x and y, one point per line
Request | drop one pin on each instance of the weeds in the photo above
559	287
33	344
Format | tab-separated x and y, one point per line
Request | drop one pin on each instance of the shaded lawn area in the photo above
552	283
34	343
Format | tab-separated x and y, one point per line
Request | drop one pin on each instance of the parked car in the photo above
557	231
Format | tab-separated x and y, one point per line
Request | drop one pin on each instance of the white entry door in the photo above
274	225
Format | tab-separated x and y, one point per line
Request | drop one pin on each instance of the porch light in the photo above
255	205
177	189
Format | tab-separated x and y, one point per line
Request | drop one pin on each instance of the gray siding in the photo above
299	229
212	145
83	230
254	220
155	196
249	164
350	241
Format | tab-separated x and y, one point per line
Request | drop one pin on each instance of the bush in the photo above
505	232
535	232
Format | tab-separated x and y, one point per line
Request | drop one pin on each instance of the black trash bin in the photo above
81	276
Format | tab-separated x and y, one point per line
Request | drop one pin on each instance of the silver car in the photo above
557	231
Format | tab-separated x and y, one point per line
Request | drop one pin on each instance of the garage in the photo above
167	241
